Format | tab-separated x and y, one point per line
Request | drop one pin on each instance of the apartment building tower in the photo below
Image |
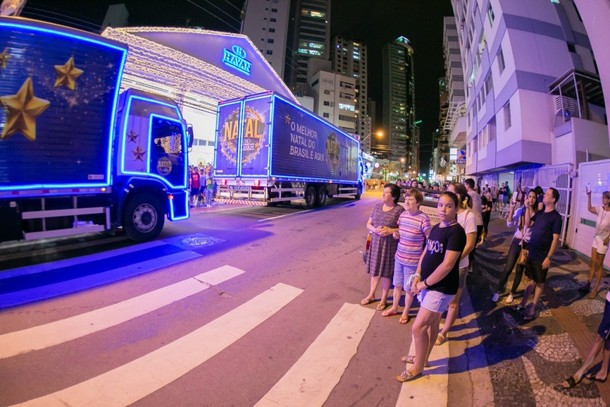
265	22
399	102
349	58
309	38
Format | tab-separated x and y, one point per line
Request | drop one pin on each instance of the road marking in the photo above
137	379
54	333
285	215
43	292
311	379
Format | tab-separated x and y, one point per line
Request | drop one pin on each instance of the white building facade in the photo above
265	22
334	96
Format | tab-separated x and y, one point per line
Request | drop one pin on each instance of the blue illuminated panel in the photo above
153	144
67	83
227	138
307	147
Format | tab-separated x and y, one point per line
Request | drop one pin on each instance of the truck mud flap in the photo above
178	206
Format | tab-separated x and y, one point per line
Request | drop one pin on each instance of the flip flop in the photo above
389	313
367	301
381	306
403	320
408	359
440	339
407	376
571	381
594	378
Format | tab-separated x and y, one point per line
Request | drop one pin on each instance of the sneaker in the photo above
509	299
495	297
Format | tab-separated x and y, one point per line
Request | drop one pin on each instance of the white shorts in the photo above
598	245
402	274
434	301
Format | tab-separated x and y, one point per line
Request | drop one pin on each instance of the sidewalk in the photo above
528	361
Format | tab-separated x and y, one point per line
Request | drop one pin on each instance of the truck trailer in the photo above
271	150
75	155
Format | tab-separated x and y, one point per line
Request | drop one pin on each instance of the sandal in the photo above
381	306
530	316
410	359
403	320
407	376
571	382
367	301
440	339
389	313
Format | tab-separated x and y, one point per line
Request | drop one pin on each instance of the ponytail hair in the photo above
462	193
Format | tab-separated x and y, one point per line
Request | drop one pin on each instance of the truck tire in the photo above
143	218
310	197
321	196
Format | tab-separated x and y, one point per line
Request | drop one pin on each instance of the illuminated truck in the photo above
75	155
271	150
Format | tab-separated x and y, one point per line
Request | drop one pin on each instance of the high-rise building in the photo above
531	87
399	102
334	99
265	22
309	38
349	58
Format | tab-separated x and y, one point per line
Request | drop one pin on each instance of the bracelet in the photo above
426	283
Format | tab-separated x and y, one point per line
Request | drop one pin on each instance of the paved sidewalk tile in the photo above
527	361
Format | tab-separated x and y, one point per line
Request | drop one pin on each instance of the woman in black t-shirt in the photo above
436	282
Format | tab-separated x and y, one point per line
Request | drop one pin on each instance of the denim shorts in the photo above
434	301
402	274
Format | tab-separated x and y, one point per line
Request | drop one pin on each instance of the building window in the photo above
269	52
501	64
326	115
507	119
490	14
273	20
270	40
272	30
571	48
326	103
326	92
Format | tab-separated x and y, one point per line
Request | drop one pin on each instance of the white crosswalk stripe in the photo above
316	373
133	381
54	333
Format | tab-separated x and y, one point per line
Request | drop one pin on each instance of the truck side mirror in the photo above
191	136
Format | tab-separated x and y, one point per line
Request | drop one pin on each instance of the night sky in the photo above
372	22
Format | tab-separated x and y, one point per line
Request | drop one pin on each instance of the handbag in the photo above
367	248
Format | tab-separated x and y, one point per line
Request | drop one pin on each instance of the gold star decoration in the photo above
132	136
138	154
287	119
22	110
4	57
67	74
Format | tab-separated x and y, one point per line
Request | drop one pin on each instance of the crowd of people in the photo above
201	185
431	263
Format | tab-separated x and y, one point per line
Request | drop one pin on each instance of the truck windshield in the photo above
167	141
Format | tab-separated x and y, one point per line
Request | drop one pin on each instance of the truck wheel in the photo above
143	218
321	196
310	197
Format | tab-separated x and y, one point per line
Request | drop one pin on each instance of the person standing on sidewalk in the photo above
478	214
467	221
380	261
521	219
436	283
601	342
600	241
546	228
413	230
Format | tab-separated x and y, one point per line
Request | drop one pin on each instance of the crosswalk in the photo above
308	382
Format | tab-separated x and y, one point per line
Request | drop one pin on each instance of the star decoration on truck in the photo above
22	109
287	118
4	57
132	136
138	154
67	74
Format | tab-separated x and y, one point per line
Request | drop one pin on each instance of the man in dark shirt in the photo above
545	230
